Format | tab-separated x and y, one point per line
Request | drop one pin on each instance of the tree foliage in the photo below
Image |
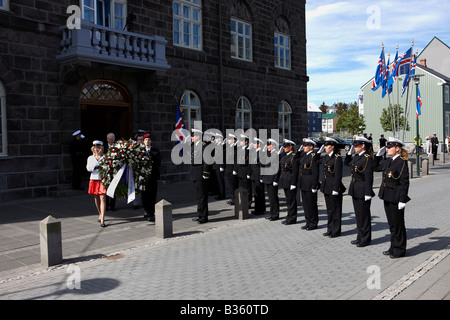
351	120
386	119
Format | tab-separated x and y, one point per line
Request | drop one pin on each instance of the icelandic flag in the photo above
409	76
180	131
404	64
419	103
380	75
393	76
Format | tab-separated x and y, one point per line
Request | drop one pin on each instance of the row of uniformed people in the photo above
299	169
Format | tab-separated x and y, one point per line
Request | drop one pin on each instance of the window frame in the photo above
107	22
241	112
277	49
195	40
186	108
3	122
236	34
447	94
281	114
5	5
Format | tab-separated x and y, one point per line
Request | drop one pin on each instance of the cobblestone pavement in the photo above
254	259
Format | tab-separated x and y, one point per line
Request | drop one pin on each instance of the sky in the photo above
344	40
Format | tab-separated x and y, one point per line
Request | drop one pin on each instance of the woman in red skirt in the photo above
95	184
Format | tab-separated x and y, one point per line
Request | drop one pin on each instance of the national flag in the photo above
380	72
393	76
404	64
409	76
180	131
419	103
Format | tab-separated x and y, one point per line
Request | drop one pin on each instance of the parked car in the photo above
343	144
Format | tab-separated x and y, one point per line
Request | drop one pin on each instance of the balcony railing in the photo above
110	46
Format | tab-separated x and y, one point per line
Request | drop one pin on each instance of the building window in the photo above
241	40
190	107
282	51
447	94
284	120
3	140
107	13
4	4
243	114
187	24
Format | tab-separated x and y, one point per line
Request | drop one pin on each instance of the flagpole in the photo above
407	105
398	107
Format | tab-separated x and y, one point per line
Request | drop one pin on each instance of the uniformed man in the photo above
219	168
79	151
199	173
231	168
288	180
151	188
255	169
243	166
394	192
332	186
308	170
361	167
271	181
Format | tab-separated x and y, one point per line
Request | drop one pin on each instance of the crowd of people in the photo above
299	173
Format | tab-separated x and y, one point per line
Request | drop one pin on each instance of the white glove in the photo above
381	152
248	177
205	177
234	173
334	193
401	205
367	198
300	148
275	184
352	151
314	190
221	169
321	149
260	180
293	187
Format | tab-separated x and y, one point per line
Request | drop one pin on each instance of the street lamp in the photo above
417	82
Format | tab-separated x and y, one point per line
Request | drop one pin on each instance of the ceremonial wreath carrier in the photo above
394	192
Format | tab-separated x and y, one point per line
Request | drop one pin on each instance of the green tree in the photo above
351	120
323	107
341	107
386	119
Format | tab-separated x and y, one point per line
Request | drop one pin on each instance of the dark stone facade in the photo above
42	95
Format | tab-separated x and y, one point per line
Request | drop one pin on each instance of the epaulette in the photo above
367	155
203	143
337	155
313	154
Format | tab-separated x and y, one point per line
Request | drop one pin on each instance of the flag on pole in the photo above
180	130
393	76
409	76
419	103
404	64
380	72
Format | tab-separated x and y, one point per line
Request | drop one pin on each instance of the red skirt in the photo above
96	187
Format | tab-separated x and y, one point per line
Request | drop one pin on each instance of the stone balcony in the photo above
104	45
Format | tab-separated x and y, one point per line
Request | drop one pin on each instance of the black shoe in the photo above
272	218
334	235
327	234
387	252
394	256
200	221
195	219
354	241
311	228
305	227
288	222
361	245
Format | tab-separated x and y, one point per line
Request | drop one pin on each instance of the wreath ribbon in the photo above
115	182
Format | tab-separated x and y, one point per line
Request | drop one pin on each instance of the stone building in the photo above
126	66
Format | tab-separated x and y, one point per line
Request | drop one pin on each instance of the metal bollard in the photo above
50	242
241	203
411	170
163	219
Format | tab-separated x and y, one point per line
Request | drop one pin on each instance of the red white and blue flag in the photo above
419	103
179	126
404	64
409	76
380	73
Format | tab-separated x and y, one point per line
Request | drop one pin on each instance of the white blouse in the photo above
92	165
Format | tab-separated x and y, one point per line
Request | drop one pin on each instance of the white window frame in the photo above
5	5
190	103
447	94
281	50
187	18
243	112
284	120
3	132
111	21
245	51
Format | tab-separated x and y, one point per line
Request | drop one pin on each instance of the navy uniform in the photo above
255	175
199	173
219	168
394	192
151	188
332	188
308	170
243	167
288	181
271	180
231	168
361	167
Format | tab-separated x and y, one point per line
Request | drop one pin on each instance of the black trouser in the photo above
291	201
260	199
396	221
274	201
247	185
201	191
309	201
363	220
149	198
334	212
220	183
233	183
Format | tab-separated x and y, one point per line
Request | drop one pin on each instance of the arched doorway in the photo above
105	107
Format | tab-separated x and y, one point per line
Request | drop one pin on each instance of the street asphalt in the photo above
227	258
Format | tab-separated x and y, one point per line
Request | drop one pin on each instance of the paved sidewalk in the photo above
252	259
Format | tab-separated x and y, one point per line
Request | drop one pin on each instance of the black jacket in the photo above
288	171
332	174
198	167
361	167
395	184
308	170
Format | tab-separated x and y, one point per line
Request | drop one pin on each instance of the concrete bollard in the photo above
425	167
50	242
241	203
442	158
163	219
411	170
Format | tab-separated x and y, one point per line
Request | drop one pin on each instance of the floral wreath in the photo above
132	154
